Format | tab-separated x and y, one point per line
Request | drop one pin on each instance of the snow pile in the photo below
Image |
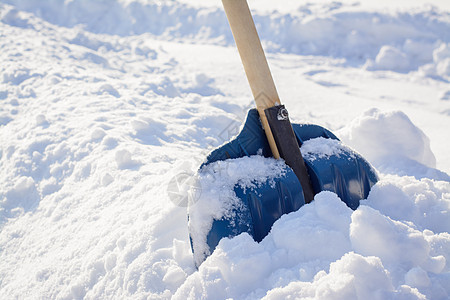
401	41
327	251
423	203
348	279
440	67
104	103
387	137
125	17
390	58
433	60
376	134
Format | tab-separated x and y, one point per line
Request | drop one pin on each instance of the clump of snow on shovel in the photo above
323	148
218	200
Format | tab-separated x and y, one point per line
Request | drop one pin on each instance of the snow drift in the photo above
103	105
400	41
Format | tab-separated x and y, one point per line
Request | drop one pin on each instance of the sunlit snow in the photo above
108	108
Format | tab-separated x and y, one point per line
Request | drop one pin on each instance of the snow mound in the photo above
325	250
384	137
390	58
404	199
102	102
440	66
399	41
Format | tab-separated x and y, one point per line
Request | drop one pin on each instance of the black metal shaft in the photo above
288	147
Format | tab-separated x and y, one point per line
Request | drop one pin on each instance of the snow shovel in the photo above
268	132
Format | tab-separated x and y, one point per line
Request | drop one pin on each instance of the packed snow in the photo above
108	108
324	148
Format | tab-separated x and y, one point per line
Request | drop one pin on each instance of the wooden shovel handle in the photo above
254	61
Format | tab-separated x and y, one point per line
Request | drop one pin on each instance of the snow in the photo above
108	108
323	148
400	140
327	251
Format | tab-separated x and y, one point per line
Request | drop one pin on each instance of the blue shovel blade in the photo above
344	172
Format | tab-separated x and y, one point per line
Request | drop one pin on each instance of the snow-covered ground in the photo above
104	103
